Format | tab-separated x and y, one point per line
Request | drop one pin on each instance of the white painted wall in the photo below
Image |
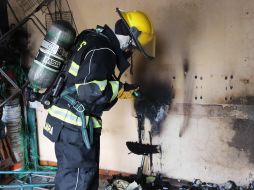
216	38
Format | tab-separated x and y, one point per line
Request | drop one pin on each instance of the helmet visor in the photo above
148	49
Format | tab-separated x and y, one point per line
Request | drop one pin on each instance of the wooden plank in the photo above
11	152
5	149
5	154
1	150
6	179
47	163
6	163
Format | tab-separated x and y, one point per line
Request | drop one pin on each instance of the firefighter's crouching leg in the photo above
77	166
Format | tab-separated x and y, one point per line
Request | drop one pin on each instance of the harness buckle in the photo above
79	107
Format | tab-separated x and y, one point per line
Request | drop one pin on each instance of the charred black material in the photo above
154	103
229	185
185	67
143	149
251	185
141	128
199	185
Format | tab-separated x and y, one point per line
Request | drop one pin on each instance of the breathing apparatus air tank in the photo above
51	55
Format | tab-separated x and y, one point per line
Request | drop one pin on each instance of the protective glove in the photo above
128	91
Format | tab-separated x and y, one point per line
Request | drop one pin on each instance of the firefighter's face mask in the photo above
126	45
125	41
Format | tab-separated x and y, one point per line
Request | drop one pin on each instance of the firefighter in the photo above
74	121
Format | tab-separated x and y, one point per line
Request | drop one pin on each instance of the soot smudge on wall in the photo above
154	103
243	139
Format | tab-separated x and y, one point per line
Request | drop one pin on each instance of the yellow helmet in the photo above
141	31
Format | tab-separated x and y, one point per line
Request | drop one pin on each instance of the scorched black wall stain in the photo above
243	138
154	103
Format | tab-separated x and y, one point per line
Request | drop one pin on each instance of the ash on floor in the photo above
103	183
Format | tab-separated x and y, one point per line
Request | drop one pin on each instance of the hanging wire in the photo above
59	10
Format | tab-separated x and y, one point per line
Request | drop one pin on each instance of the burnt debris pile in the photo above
197	184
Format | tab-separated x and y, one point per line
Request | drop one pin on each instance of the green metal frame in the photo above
31	157
30	176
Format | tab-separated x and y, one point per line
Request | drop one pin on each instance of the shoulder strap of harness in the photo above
76	105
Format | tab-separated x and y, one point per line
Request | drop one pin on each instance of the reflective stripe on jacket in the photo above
71	118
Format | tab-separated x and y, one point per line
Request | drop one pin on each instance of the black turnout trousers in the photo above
78	167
